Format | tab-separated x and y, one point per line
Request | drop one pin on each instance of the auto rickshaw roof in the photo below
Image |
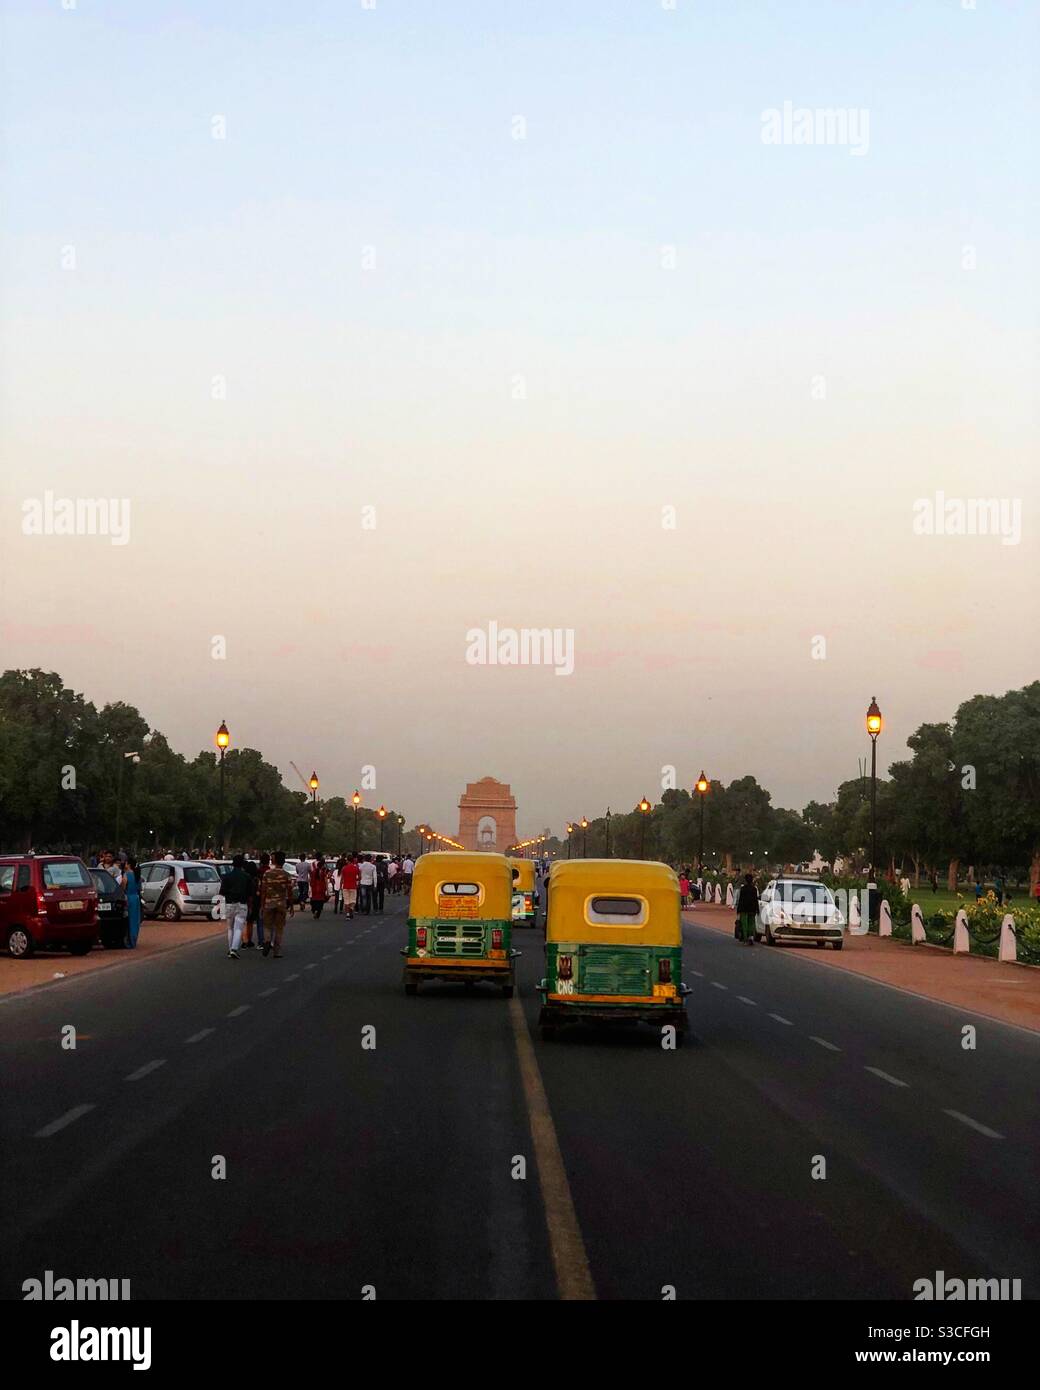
491	871
573	883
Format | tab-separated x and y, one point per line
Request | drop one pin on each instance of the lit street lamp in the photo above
608	833
223	738
422	838
644	809
356	799
570	832
701	786
381	813
584	827
400	827
875	724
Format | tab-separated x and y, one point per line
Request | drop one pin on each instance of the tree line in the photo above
66	785
968	794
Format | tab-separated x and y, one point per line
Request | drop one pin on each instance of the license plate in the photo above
75	906
104	907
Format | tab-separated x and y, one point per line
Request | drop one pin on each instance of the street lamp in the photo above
608	832
701	785
400	827
119	791
570	832
644	809
356	799
584	827
381	813
223	738
422	838
875	724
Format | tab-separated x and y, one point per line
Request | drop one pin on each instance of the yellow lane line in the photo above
570	1262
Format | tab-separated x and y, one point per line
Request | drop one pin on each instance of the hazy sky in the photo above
520	275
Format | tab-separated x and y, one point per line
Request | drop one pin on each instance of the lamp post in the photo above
608	832
584	827
701	786
400	827
644	810
356	799
381	813
875	724
422	839
570	832
223	738
119	792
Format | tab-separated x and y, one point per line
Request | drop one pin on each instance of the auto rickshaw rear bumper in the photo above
452	968
558	1009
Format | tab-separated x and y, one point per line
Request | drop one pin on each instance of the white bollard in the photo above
961	939
1008	948
730	899
718	895
917	932
885	919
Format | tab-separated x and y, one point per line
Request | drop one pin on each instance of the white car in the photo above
799	909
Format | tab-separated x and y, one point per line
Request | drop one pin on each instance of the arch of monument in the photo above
487	816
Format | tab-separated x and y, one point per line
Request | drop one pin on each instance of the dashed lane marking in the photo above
237	1013
974	1124
146	1070
62	1121
780	1019
892	1080
197	1037
824	1043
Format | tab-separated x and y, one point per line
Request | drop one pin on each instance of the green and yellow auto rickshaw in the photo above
460	921
525	893
613	946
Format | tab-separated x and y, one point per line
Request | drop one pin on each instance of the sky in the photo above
389	322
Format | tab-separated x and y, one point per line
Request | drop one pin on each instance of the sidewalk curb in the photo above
128	959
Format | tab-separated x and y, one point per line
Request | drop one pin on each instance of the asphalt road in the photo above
350	1166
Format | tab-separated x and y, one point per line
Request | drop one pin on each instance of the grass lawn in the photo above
945	901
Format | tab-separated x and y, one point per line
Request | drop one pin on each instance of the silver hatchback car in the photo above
176	888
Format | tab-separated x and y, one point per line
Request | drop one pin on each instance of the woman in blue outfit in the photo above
133	903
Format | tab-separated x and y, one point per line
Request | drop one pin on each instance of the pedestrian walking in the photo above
133	902
684	890
319	886
237	889
337	885
407	869
382	880
350	877
303	874
366	886
747	909
393	870
276	903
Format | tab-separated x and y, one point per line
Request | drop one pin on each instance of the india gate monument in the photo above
487	816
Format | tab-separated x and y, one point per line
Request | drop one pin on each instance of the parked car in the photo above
112	909
176	888
799	909
46	901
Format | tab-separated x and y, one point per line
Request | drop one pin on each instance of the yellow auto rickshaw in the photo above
460	921
613	946
525	893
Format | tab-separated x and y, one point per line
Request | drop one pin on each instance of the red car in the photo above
46	900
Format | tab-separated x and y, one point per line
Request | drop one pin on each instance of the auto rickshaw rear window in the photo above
459	890
619	912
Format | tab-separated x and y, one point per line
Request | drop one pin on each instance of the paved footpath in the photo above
1000	990
51	967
